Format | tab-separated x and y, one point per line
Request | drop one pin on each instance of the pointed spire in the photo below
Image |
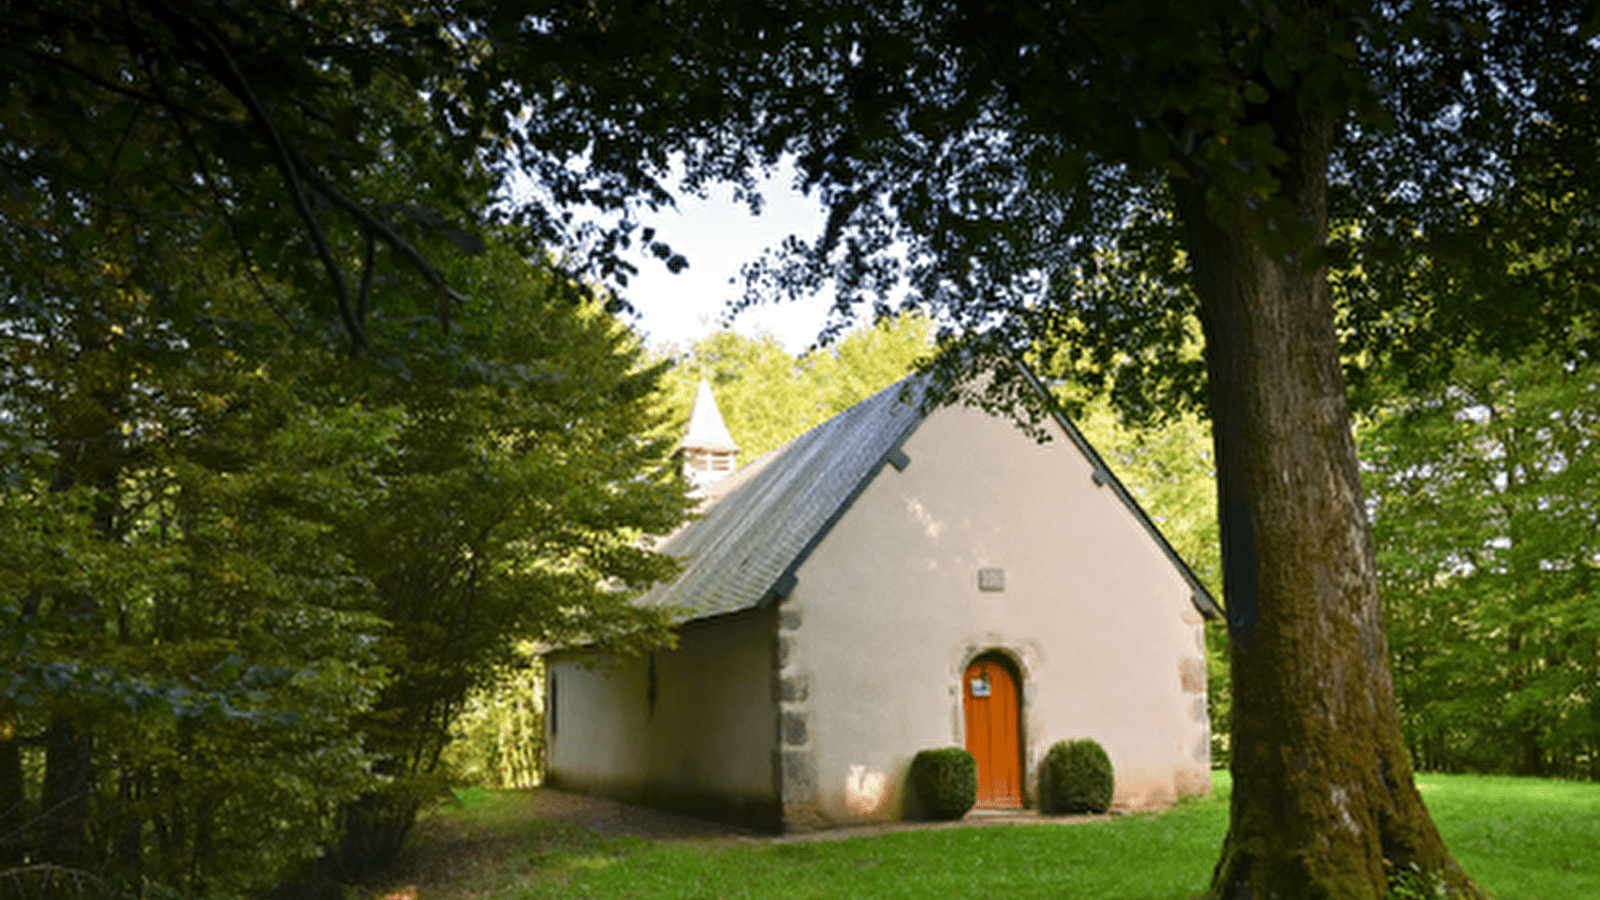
706	430
707	449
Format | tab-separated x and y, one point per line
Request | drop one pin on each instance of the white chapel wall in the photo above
705	744
888	612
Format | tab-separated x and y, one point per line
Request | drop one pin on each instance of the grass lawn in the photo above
1523	839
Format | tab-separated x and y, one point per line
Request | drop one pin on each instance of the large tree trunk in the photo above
1324	804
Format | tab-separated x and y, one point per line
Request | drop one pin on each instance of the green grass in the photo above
1146	858
1521	839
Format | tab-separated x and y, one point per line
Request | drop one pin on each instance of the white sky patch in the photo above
719	236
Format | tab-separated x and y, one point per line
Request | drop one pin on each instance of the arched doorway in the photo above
990	706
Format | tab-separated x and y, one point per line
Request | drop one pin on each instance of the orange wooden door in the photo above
989	702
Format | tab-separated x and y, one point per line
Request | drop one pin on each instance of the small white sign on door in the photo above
980	686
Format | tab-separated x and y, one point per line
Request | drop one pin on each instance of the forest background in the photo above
306	429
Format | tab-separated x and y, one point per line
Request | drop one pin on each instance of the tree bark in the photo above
13	795
89	450
64	796
1324	802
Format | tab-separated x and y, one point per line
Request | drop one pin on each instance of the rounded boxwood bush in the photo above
1078	777
946	781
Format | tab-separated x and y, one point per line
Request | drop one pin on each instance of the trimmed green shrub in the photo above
946	781
1078	777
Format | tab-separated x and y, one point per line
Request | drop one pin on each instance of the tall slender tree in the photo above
518	496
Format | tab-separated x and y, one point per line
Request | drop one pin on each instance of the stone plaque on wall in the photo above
992	580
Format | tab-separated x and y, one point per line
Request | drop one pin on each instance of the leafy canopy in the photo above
1489	542
247	584
767	397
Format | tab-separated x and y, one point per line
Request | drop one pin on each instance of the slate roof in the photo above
762	522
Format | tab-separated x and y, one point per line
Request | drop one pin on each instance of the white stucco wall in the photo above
706	746
887	613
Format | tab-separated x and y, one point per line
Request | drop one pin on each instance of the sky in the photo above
718	236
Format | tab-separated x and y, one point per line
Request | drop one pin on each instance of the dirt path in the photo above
447	860
610	817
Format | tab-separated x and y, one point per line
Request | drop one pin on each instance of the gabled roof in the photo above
763	521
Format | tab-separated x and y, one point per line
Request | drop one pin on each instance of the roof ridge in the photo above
745	548
751	536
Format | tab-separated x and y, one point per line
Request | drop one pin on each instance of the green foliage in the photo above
498	738
246	585
768	397
272	114
1077	777
1412	882
250	584
187	645
975	196
514	505
945	780
1488	536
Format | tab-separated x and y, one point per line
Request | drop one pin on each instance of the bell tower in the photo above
707	451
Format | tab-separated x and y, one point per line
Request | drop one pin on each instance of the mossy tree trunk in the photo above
1324	803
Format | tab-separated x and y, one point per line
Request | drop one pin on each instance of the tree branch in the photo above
393	238
180	113
366	279
227	71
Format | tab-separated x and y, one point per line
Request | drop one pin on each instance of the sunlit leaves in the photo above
1489	544
767	397
182	603
515	502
